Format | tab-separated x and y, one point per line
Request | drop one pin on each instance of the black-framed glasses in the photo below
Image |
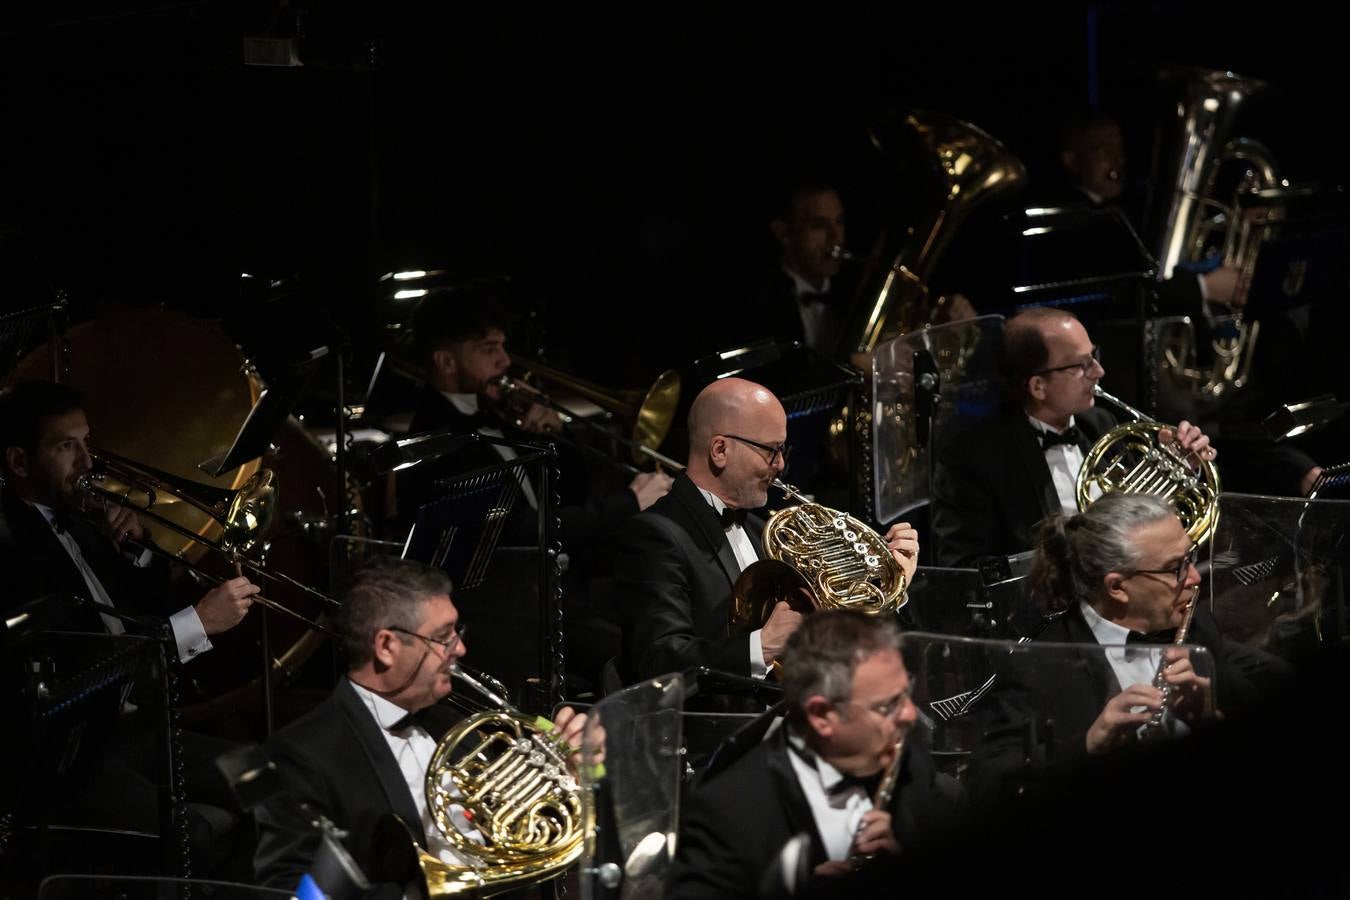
1083	366
776	451
885	708
1180	570
446	644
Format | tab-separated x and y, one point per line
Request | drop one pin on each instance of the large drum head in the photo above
163	389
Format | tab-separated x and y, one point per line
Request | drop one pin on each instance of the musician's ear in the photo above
818	710
779	229
1036	387
717	451
1115	587
443	361
16	460
384	646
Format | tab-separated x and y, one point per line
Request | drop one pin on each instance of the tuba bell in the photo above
1130	458
840	562
951	167
510	776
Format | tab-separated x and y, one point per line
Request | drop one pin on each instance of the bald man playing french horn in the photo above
677	561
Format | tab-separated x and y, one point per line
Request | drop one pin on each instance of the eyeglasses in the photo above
776	451
446	645
1179	571
1084	367
886	708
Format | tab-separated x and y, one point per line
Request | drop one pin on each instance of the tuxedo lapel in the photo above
796	810
381	758
1022	438
704	525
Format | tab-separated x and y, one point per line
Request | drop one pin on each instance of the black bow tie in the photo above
868	783
1166	636
1069	436
413	718
730	517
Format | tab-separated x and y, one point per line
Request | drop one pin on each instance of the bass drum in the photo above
170	391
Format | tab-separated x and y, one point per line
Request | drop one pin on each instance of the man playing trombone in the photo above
58	544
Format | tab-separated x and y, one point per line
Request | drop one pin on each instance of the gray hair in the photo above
1075	553
383	594
824	651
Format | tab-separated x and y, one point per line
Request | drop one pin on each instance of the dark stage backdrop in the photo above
618	165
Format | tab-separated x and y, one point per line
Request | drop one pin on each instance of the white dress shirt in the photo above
1131	664
413	748
745	556
468	404
188	633
1064	460
837	815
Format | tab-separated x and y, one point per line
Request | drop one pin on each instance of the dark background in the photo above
617	164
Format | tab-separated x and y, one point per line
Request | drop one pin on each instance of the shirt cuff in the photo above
758	668
189	634
1204	302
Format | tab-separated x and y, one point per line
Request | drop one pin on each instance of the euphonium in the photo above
510	776
839	560
1130	458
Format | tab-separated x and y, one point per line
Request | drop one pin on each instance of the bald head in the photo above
728	466
1048	363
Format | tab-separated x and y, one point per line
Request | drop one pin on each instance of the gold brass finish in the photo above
1130	458
650	412
962	167
509	774
843	563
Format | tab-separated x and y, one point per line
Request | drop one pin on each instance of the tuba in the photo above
961	167
511	778
1130	458
841	562
1188	221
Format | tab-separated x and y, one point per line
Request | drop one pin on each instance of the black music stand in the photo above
18	329
74	682
1092	263
273	407
499	589
253	440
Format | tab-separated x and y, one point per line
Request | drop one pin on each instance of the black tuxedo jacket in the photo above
35	564
336	761
583	522
674	569
736	823
992	485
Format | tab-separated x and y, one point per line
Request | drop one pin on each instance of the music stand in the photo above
16	334
74	679
273	407
499	589
1092	263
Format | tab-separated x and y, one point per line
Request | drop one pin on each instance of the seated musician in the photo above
848	702
55	541
1120	572
997	479
462	341
58	542
675	564
363	753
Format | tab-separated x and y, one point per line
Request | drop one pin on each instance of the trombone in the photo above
651	412
243	515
